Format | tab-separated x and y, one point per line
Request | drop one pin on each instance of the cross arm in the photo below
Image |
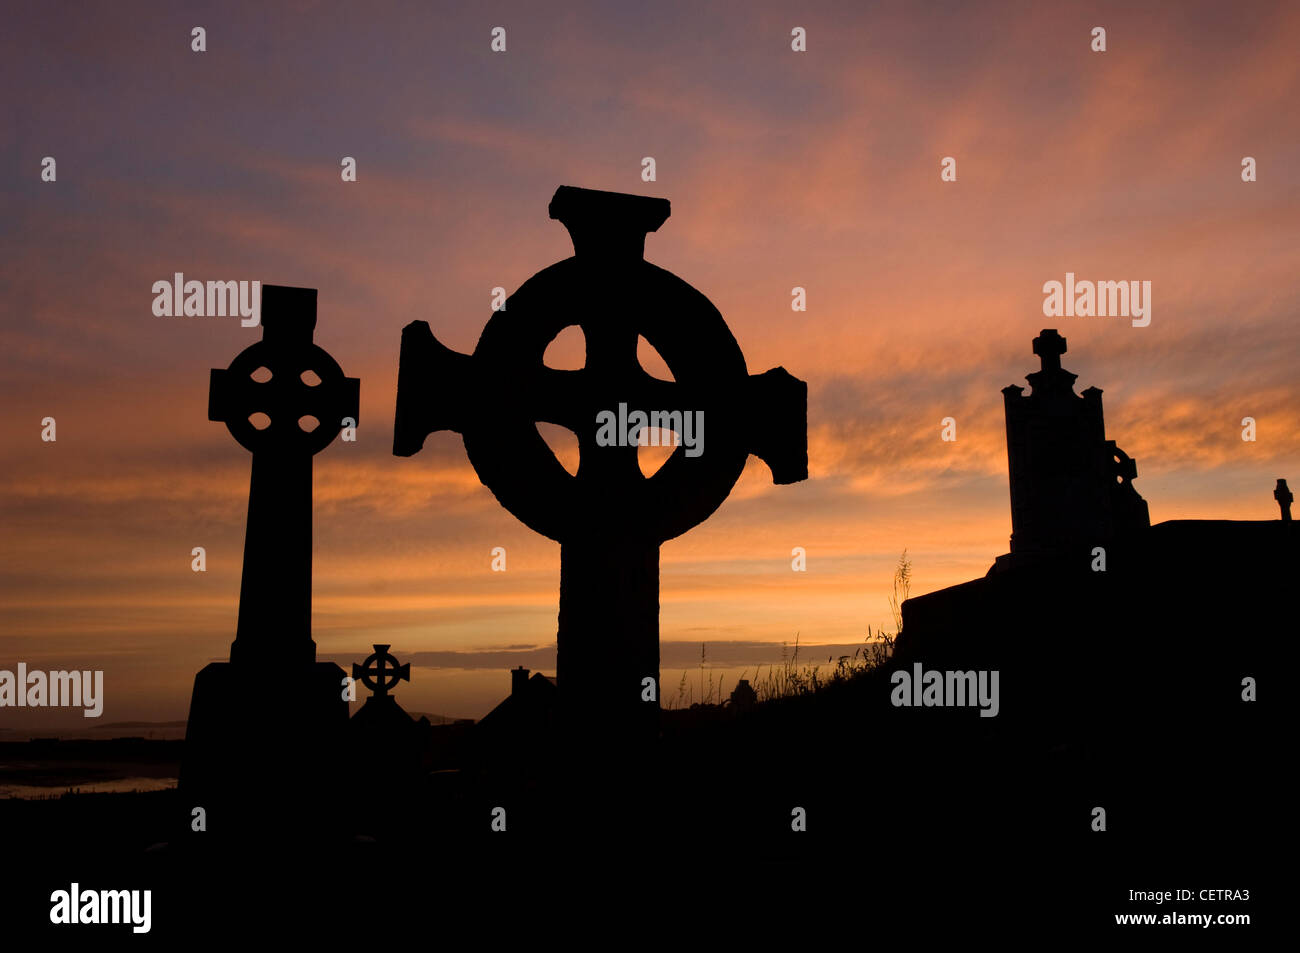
433	389
777	431
223	402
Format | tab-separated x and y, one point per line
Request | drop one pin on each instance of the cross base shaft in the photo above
608	639
275	590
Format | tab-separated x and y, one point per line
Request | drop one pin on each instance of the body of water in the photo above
114	786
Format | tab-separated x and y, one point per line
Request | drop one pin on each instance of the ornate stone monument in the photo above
1070	486
264	728
609	519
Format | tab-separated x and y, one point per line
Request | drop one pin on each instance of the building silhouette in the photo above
529	711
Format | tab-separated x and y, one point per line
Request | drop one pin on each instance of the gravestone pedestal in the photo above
264	752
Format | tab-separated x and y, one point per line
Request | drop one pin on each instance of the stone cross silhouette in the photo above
302	390
609	518
263	761
1282	493
378	675
1049	346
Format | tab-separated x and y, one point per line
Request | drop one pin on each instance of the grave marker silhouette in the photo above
392	748
264	726
378	675
609	519
275	591
1282	493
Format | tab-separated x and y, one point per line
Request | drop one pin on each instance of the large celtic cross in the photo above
609	518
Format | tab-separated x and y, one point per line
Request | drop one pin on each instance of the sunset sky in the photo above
818	169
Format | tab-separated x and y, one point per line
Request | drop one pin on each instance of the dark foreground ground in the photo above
918	821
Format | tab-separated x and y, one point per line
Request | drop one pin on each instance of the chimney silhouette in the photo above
518	680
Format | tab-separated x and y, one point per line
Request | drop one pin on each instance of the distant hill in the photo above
154	730
433	719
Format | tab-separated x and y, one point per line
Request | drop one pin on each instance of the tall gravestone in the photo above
265	731
609	518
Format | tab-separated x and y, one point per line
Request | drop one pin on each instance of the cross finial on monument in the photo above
1049	346
1284	499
